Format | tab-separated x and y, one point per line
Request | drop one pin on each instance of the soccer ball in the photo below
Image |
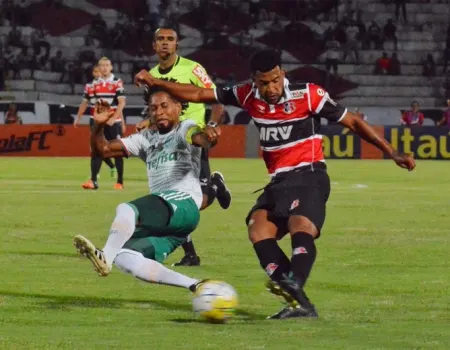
215	301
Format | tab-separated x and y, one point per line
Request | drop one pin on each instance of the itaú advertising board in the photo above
426	142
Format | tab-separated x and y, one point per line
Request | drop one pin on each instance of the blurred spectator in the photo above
352	44
245	43
413	117
27	60
12	61
360	114
394	67
173	15
98	28
389	33
2	73
429	66
140	62
400	4
382	65
276	25
11	116
447	50
333	55
446	116
58	65
15	37
154	10
374	35
39	42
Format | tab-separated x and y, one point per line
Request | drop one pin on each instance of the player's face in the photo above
270	84
415	107
448	102
96	72
165	43
105	68
164	111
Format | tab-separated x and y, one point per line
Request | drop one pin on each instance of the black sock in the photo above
119	166
272	259
188	247
303	255
210	192
96	164
109	162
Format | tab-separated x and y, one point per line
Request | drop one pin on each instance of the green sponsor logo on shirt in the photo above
162	158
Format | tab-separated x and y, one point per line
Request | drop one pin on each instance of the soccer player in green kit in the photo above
173	67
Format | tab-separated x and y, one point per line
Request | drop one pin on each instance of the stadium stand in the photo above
221	35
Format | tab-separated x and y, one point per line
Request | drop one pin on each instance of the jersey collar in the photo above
106	80
286	97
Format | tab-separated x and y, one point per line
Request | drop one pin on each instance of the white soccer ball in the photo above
215	301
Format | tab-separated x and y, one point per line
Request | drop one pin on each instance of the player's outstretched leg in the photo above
119	165
121	231
190	257
223	194
151	271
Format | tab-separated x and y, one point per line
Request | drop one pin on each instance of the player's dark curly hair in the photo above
153	90
264	61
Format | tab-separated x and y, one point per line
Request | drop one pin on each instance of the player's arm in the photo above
99	145
197	137
83	106
184	92
368	133
322	105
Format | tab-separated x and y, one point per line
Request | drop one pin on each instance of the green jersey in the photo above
185	71
173	163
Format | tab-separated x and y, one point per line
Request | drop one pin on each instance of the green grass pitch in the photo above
381	279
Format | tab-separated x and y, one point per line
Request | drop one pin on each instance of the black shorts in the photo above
113	132
205	171
297	192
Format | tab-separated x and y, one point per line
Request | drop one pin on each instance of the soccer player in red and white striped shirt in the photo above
89	102
288	118
109	89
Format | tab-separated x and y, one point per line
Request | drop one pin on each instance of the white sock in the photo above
121	231
149	270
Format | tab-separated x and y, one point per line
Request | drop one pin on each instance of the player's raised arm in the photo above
184	92
99	144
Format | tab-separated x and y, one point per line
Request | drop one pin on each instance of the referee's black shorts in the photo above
205	171
297	192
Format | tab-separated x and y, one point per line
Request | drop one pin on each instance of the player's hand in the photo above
103	112
405	161
144	124
75	122
212	133
143	77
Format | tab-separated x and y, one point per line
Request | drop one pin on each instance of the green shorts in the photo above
154	239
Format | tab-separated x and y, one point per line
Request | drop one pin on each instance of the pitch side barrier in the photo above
237	141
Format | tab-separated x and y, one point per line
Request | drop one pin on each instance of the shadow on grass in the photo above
62	302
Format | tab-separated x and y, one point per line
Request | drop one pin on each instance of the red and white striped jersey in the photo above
288	131
88	95
109	89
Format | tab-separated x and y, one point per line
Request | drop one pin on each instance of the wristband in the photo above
212	124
